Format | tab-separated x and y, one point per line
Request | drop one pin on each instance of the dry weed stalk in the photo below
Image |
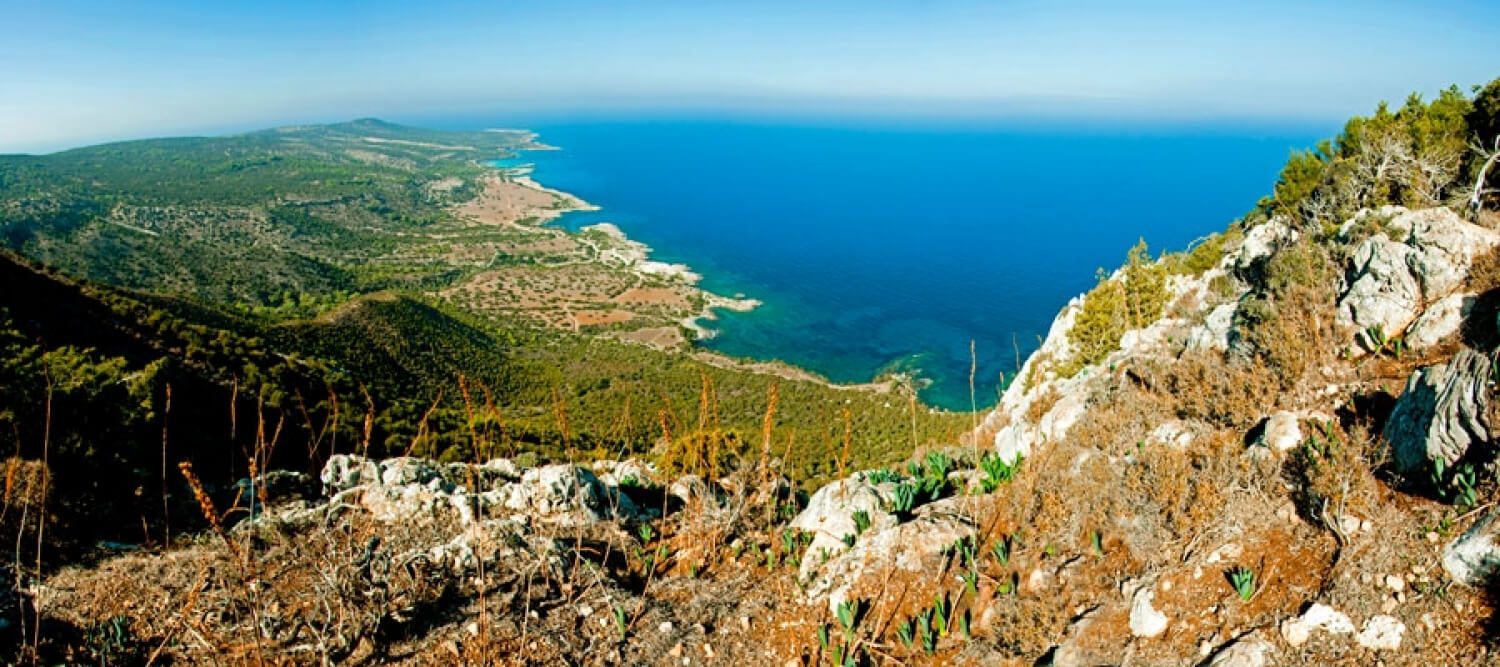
848	444
765	436
560	412
166	510
364	449
206	506
421	424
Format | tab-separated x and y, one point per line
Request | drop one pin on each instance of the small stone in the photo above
676	651
1145	620
708	651
1365	525
1388	605
745	623
1166	586
665	627
473	629
1401	597
1294	632
1381	633
1197	573
585	610
1365	578
1432	537
1395	583
1319	616
1281	432
1287	512
1349	524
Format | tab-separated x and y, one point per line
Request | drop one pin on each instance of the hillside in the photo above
1274	448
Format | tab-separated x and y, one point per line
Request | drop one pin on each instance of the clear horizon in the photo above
85	74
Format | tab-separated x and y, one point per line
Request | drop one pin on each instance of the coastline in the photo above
633	255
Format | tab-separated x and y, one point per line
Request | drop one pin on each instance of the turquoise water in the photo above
876	248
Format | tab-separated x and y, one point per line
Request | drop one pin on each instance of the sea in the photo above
878	248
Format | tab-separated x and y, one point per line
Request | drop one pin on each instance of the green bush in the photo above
1116	306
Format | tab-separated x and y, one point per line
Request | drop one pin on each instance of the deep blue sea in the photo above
876	247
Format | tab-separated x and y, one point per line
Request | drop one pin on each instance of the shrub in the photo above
1116	306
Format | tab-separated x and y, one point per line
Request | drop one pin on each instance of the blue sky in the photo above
78	72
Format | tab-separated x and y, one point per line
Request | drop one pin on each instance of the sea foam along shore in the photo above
635	256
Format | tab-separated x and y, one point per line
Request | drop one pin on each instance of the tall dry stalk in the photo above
476	537
166	508
765	435
848	443
422	427
206	506
41	524
560	412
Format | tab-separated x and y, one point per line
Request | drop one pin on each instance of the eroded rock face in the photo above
1440	320
1474	557
1261	241
346	471
1214	332
1381	292
1422	258
1441	412
829	516
566	495
918	545
418	490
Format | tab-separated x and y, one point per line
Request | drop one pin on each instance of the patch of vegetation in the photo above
1114	307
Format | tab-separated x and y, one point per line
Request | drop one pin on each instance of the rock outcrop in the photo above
1474	557
1420	258
916	546
1441	412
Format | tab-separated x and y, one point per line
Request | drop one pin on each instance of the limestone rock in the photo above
915	546
1441	412
1380	290
1214	332
1175	433
616	473
1145	620
1473	558
1261	241
504	468
1390	277
1381	633
412	503
1317	617
1281	432
1447	246
346	471
1247	651
829	516
1441	320
565	495
407	470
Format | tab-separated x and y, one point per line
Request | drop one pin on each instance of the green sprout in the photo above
1243	581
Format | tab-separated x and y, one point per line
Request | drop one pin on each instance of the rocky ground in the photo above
1291	466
